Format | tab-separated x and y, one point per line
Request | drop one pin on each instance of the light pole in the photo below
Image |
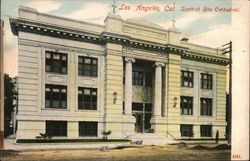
227	48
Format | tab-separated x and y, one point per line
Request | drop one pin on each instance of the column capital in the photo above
128	59
157	64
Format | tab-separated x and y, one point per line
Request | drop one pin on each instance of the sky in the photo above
204	28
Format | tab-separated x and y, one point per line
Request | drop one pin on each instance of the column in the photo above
128	85
158	89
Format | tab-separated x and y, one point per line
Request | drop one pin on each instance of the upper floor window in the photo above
137	78
142	78
56	96
56	62
87	66
186	105
206	130
206	81
206	106
187	78
87	98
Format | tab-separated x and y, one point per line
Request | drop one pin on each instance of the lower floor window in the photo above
187	130
56	128
88	128
206	130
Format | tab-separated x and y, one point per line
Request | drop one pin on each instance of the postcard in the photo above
128	79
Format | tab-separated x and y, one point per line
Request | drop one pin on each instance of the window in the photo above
148	79
56	128
88	128
186	105
55	96
56	62
187	78
206	106
87	98
206	130
87	66
206	81
137	78
187	130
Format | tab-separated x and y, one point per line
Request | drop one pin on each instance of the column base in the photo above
128	126
159	124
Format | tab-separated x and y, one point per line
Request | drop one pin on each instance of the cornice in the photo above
107	37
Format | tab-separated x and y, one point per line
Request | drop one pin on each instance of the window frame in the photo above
208	111
51	94
82	66
186	105
93	105
82	127
190	79
51	62
138	78
205	133
206	83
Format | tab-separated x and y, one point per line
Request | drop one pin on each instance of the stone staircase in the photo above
151	139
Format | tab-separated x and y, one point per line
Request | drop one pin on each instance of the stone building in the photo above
132	77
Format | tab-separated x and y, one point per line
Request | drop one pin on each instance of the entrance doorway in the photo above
142	113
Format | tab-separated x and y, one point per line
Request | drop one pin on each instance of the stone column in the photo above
128	85
158	89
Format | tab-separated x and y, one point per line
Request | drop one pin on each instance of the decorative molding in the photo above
157	64
141	32
53	78
128	59
83	81
101	39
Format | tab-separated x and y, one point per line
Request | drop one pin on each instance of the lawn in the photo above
136	153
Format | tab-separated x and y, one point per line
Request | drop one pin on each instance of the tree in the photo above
10	94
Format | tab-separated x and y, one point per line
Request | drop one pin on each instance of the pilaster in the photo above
173	100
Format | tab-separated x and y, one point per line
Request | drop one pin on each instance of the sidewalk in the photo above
9	144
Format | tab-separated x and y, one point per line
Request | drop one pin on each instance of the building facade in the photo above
130	77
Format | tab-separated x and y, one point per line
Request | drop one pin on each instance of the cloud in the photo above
96	12
44	5
91	11
187	19
217	36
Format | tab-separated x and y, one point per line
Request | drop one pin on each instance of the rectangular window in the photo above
206	106
206	81
187	130
148	79
87	66
206	130
87	98
137	78
55	96
56	62
56	128
88	128
186	105
187	78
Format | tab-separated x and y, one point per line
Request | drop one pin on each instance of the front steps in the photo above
151	139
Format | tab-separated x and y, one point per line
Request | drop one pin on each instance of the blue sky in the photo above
197	26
